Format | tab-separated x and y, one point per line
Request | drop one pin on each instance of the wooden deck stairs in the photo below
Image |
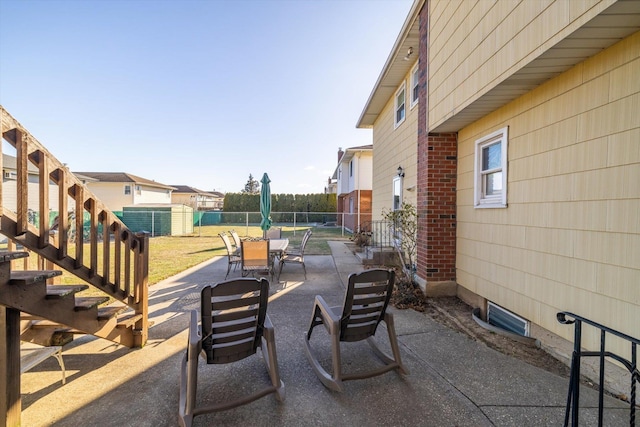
109	261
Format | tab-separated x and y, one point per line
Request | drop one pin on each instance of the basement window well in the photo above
504	319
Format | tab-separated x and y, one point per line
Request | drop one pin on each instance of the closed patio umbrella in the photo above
265	204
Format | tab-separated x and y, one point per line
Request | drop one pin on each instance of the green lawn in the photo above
169	255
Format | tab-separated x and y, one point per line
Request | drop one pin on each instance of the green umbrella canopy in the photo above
265	203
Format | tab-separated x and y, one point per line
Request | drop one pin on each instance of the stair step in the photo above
87	303
31	277
61	291
27	316
57	328
9	255
128	320
48	324
106	313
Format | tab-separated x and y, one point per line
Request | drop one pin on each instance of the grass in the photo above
170	255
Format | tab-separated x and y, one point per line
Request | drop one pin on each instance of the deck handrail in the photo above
117	259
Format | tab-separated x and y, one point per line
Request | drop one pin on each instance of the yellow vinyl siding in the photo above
511	34
570	236
393	148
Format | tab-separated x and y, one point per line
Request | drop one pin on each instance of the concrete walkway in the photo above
453	381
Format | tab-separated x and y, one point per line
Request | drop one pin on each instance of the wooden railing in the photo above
108	256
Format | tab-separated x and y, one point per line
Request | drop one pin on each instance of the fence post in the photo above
294	223
153	224
246	218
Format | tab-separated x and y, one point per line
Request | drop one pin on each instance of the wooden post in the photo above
10	403
22	180
141	278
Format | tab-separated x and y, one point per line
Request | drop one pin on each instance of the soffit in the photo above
612	25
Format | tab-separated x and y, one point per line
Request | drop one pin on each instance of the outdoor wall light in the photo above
409	53
400	172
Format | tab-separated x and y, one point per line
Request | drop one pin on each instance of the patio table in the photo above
277	248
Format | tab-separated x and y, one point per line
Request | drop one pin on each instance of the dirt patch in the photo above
456	314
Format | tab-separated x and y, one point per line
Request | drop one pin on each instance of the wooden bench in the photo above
33	354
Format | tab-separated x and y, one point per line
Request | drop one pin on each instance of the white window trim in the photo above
395	106
414	83
480	201
396	179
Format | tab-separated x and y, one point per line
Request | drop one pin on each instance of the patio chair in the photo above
232	256
236	240
255	257
234	323
364	307
273	233
296	255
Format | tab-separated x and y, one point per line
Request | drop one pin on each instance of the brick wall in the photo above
437	169
340	208
351	220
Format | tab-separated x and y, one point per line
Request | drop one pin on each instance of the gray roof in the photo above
10	162
122	177
190	190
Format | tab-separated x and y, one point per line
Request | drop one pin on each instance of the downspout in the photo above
358	177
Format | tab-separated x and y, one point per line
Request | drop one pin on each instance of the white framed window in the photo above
414	86
138	190
351	168
127	190
397	193
490	175
399	106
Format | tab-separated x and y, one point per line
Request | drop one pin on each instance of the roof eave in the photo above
367	118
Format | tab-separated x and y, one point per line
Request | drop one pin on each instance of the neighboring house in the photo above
199	200
218	202
119	189
9	186
332	186
353	177
526	140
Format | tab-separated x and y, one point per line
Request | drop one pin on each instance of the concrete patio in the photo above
453	380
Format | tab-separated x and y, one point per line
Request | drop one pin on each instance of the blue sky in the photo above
200	93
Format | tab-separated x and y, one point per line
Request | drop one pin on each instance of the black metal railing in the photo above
573	397
381	235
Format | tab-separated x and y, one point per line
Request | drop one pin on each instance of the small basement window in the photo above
506	320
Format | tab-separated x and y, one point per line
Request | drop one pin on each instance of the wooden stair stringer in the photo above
27	292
